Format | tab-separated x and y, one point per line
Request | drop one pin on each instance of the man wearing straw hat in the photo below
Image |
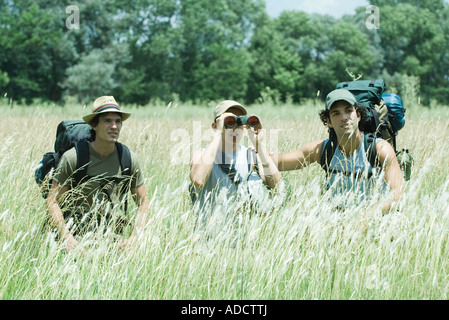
96	202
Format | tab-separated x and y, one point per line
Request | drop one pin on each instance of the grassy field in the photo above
304	250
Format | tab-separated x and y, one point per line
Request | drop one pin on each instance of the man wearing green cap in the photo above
349	169
96	201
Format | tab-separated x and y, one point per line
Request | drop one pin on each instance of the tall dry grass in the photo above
304	250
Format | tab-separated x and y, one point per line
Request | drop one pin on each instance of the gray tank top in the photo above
353	175
221	190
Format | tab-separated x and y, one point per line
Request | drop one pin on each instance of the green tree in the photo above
96	73
432	5
324	48
276	64
440	92
4	80
153	38
414	41
33	50
225	76
207	50
215	36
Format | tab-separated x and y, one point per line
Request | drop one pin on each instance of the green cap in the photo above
337	95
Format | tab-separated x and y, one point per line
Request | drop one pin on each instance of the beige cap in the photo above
105	104
223	106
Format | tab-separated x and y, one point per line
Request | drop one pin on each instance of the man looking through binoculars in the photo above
225	171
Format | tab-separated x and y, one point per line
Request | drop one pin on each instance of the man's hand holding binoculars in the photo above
228	121
228	132
256	134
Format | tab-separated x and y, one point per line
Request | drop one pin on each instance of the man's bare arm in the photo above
56	216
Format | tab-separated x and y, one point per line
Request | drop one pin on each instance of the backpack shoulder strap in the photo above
327	153
125	158
251	157
370	149
82	159
125	162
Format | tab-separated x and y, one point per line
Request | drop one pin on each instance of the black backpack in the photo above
368	93
69	134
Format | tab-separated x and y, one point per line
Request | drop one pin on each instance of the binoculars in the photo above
232	121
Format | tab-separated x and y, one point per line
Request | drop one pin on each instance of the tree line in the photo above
199	50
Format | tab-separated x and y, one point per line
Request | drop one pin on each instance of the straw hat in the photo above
223	106
105	104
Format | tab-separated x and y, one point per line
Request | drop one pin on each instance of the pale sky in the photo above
335	8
